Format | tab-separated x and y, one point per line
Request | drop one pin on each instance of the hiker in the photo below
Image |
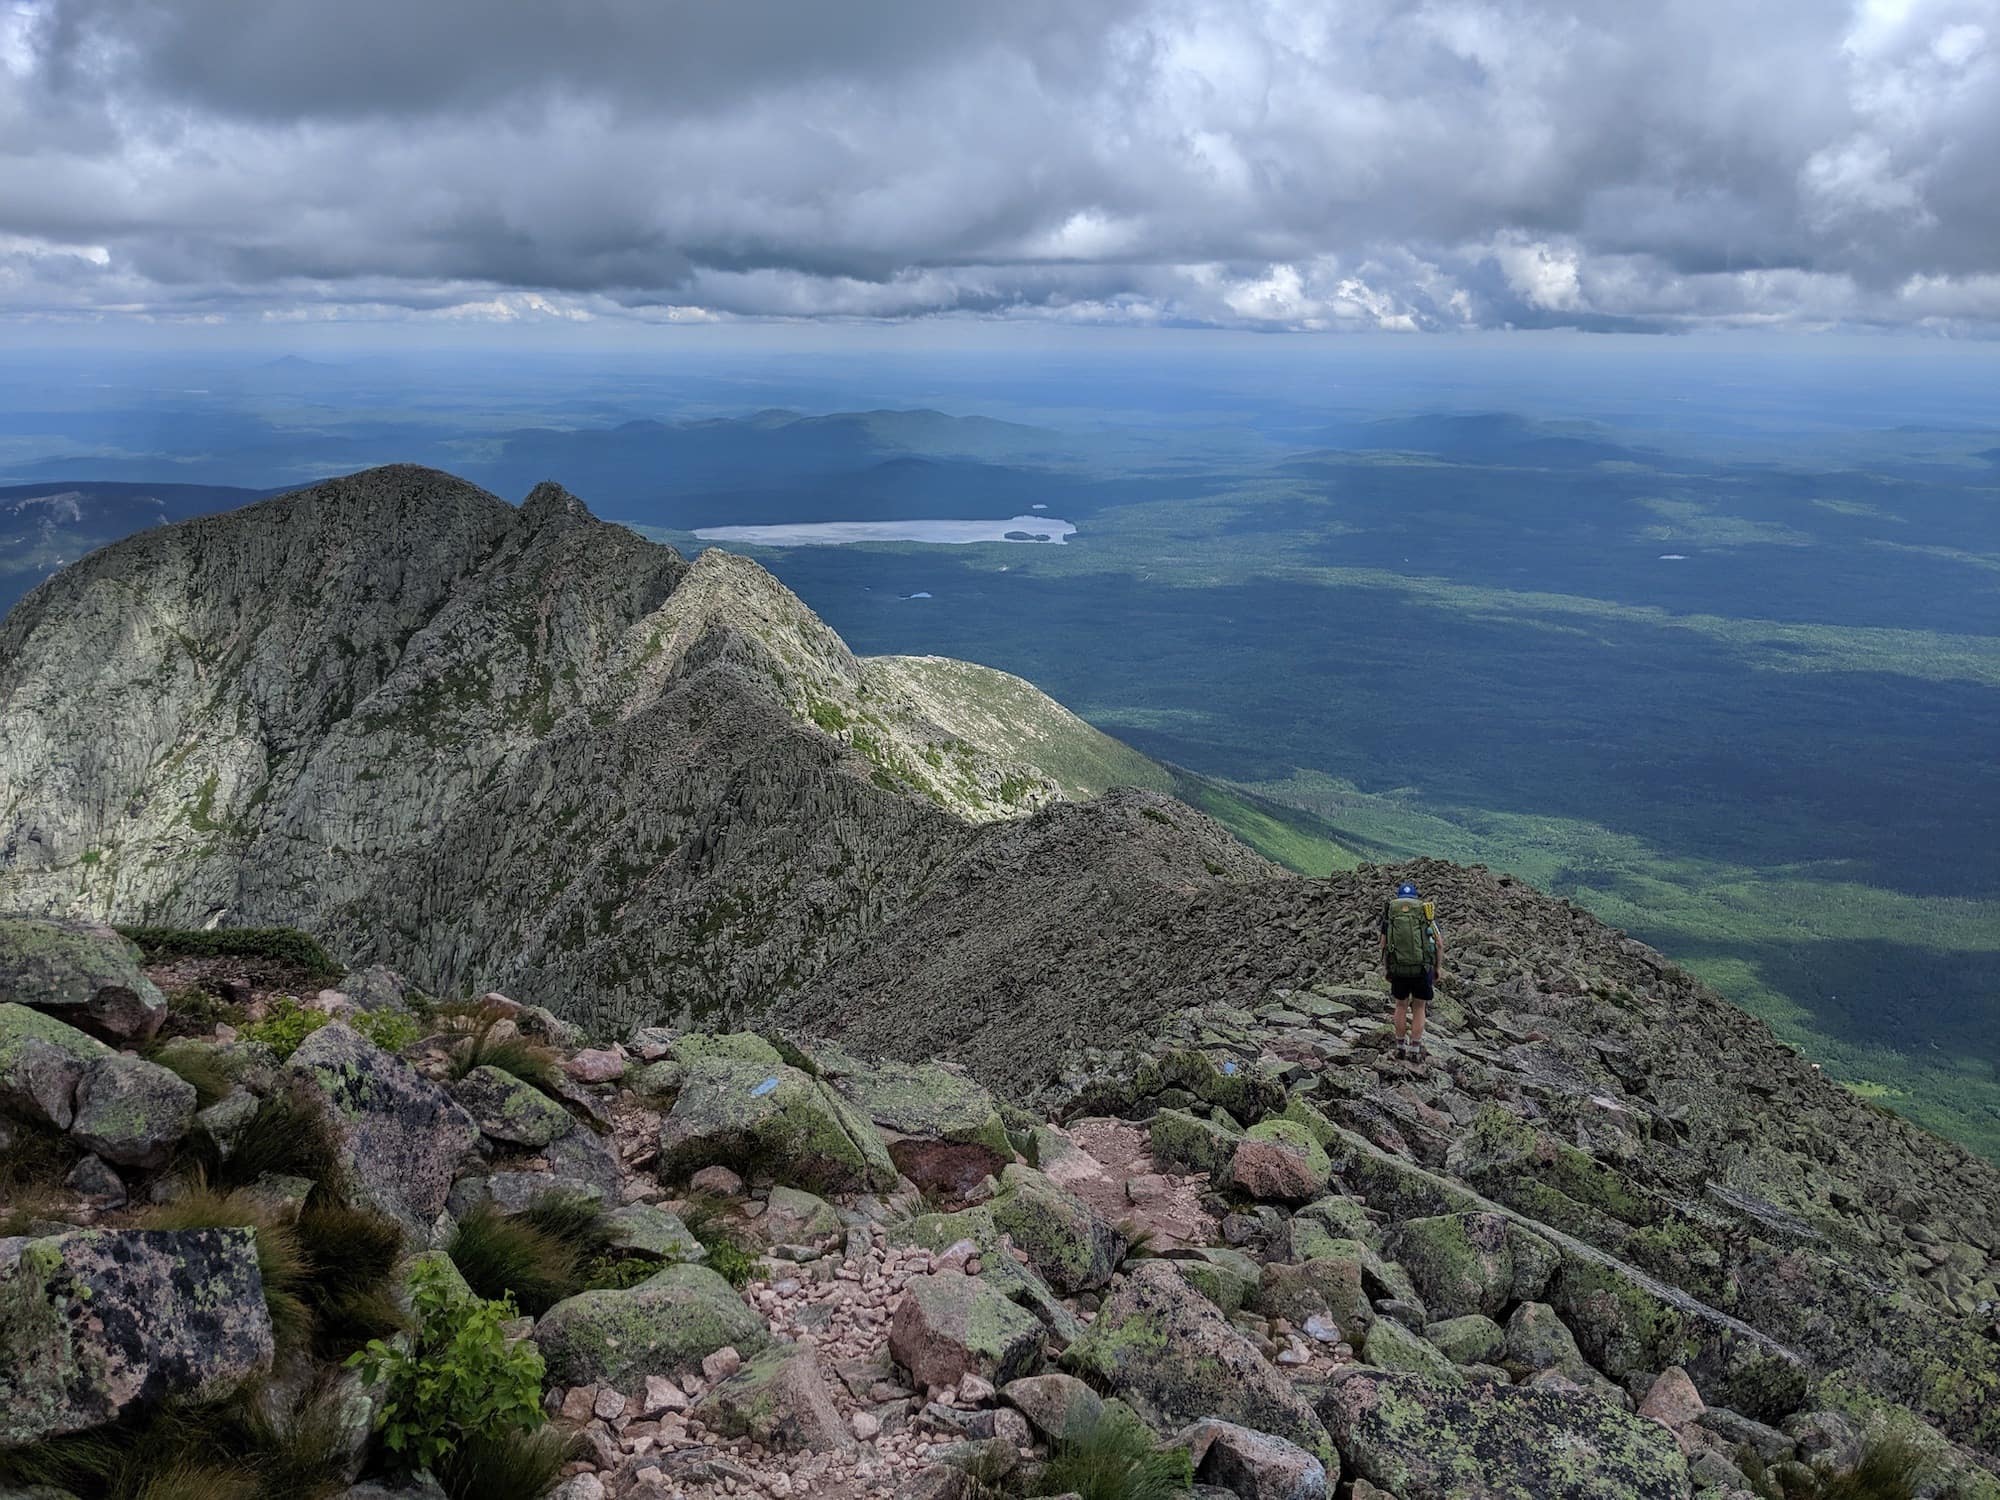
1411	954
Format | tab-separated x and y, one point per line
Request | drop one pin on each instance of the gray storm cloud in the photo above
1256	163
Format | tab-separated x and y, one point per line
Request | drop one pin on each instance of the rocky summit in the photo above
489	1007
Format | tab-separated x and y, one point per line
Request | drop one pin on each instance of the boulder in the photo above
1423	1439
664	1326
1228	1278
1461	1263
737	1046
1473	1339
1278	1161
223	1123
1166	1348
793	1216
83	973
1331	1287
402	1137
1538	1339
595	1065
1390	1346
1334	1218
647	1230
97	1323
93	1180
1186	1143
944	1131
779	1399
1739	1431
376	987
42	1060
1065	1240
1672	1399
949	1325
1253	1465
998	1268
510	1109
132	1112
770	1118
1055	1405
510	1192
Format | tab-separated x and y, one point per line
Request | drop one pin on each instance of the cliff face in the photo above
492	746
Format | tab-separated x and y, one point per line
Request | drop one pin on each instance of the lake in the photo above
834	533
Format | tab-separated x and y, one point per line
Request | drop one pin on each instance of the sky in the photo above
1271	165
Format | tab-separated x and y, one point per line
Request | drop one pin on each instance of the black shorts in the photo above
1410	986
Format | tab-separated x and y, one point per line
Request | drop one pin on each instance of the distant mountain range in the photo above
44	527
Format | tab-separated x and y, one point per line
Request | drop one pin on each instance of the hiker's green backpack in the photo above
1412	937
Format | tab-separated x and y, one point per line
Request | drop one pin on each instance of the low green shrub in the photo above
390	1030
458	1383
194	1011
285	1026
1116	1458
1888	1470
281	944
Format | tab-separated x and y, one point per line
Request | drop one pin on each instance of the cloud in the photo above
1286	164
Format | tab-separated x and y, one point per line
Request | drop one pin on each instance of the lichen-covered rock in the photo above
793	1216
1245	1090
1055	1405
1334	1218
1227	1277
647	1230
42	1060
779	1398
1538	1339
1331	1286
949	1325
739	1046
1423	1439
943	1130
662	1326
1472	1339
131	1111
96	1323
1166	1348
998	1268
510	1192
224	1122
1065	1240
1462	1263
772	1119
401	1135
510	1109
376	987
1253	1465
83	973
1188	1143
1672	1399
1388	1345
1278	1161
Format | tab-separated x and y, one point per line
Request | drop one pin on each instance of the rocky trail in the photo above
1257	1246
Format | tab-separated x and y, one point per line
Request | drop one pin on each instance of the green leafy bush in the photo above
460	1384
281	944
390	1030
285	1025
1116	1458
